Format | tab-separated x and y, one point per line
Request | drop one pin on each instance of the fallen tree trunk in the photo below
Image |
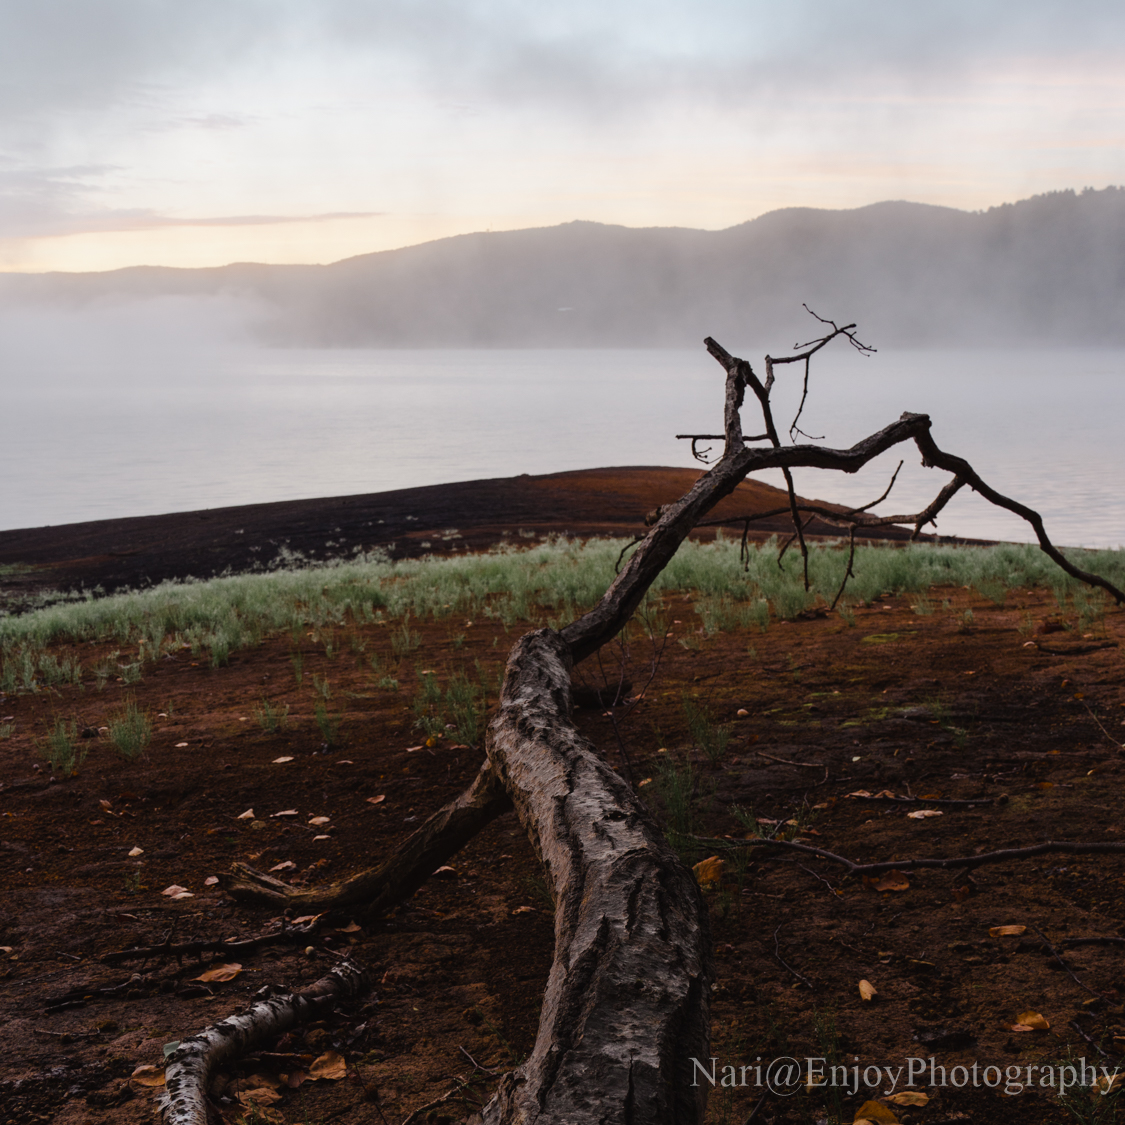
183	1101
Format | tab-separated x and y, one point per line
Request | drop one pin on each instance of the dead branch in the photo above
287	932
1005	855
183	1101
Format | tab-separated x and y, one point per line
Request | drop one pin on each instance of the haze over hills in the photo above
1046	270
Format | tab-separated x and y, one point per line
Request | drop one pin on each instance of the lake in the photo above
90	434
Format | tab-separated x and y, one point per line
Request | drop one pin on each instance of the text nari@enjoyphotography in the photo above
785	1076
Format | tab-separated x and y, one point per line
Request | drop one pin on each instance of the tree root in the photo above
377	889
183	1101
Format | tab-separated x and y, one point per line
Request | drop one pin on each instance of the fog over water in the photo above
113	413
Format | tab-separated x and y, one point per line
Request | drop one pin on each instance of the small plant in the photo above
466	707
403	639
428	706
270	718
298	666
61	750
705	733
6	730
322	687
328	724
1026	625
132	884
331	649
676	785
847	614
389	683
923	607
131	731
967	620
130	673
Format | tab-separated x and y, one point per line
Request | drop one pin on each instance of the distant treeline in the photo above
1050	269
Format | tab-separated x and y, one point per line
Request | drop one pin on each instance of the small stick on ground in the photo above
780	960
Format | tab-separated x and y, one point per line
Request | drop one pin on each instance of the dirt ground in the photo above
993	709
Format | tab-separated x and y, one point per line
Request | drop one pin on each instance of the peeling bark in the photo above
627	1002
183	1101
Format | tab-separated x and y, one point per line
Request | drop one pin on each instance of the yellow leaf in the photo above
1033	1021
329	1066
875	1112
1006	931
708	871
921	814
148	1076
909	1097
892	881
219	973
867	991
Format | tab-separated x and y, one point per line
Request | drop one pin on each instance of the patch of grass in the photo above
322	687
6	730
298	666
711	737
61	748
271	718
130	673
676	784
131	731
404	640
328	724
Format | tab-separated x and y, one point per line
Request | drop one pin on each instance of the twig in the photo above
483	1069
781	961
286	933
931	800
817	875
1119	745
1069	971
1003	856
787	762
1094	1043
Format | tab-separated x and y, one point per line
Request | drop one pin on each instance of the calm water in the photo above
176	428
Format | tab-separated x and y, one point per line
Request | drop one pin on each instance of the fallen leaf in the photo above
148	1075
294	1078
278	761
176	891
350	928
315	838
320	820
377	800
875	1112
305	918
1030	1021
1006	931
524	910
247	815
136	852
858	793
329	1066
211	880
892	881
180	745
1107	1085
642	784
867	991
741	713
283	866
105	805
411	749
909	1097
445	872
1044	785
708	871
284	812
888	793
219	973
921	814
345	762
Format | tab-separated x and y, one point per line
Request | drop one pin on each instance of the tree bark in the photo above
627	1003
183	1101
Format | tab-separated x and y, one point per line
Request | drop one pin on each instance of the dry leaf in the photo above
1030	1021
285	812
148	1076
350	928
888	793
858	793
875	1112
1107	1085
445	872
708	871
345	762
315	838
377	800
175	891
136	851
320	820
867	991
524	910
211	880
1045	784
219	973
283	866
411	749
646	781
180	745
306	918
294	1078
278	761
1006	931
892	881
909	1097
741	713
921	814
247	815
330	1066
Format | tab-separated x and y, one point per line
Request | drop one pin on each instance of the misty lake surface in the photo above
176	428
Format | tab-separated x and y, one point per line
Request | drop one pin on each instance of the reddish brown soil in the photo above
900	701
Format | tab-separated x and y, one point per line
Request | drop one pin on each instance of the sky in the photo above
158	132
